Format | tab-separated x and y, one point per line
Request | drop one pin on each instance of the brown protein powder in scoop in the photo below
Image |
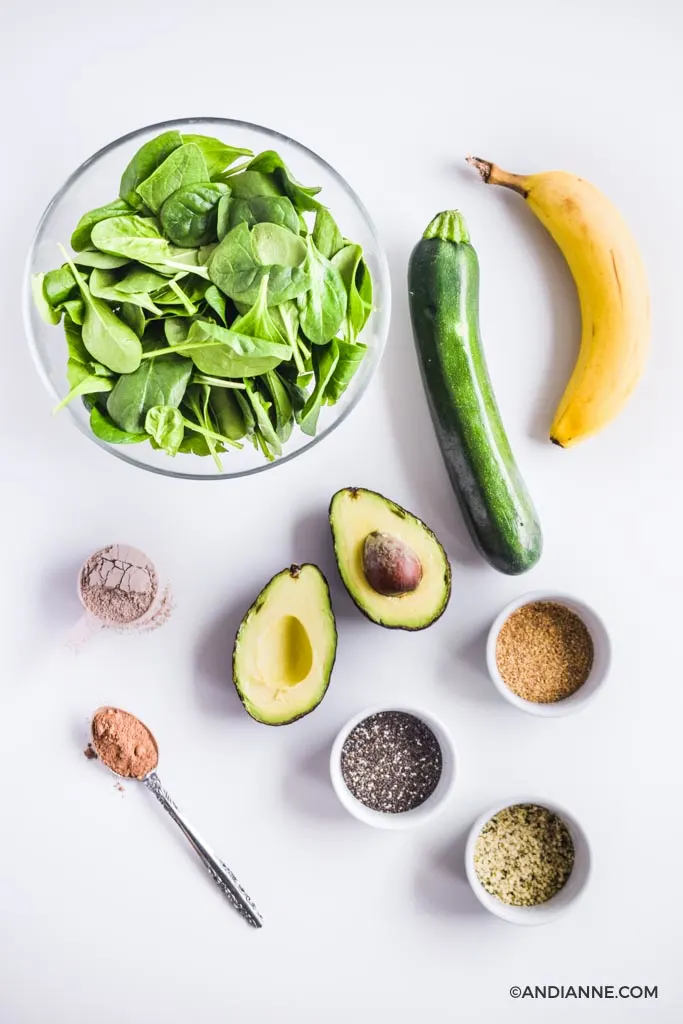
124	743
544	652
118	584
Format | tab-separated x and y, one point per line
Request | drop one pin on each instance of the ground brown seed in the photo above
544	652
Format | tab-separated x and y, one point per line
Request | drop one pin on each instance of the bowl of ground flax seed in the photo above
548	653
527	860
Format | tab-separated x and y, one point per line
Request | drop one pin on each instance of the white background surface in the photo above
105	915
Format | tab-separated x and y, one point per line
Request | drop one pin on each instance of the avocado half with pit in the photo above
285	647
391	563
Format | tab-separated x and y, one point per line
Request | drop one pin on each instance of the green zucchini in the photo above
443	281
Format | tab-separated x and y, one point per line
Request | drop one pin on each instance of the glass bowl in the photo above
96	182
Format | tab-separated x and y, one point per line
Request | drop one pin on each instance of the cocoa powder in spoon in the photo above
124	743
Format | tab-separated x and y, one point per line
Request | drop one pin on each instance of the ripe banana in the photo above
613	294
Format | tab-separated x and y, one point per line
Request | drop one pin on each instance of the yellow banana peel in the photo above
613	294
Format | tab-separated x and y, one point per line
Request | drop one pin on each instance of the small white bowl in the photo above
561	901
406	819
602	656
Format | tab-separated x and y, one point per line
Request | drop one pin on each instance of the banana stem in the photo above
492	174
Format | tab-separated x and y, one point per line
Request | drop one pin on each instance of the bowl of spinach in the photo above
195	309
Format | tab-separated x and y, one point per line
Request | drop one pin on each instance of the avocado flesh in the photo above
285	647
354	514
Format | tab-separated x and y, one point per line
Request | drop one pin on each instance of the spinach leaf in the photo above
141	279
134	317
265	431
189	216
59	285
155	382
139	238
165	425
176	330
216	301
281	409
109	340
227	414
271	163
103	284
47	314
252	183
75	308
80	238
82	382
274	245
236	270
222	352
144	163
324	364
350	357
358	284
223	216
258	209
326	235
184	166
217	154
102	260
322	309
104	427
205	252
258	322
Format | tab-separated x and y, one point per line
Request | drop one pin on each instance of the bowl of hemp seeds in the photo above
527	861
393	767
548	653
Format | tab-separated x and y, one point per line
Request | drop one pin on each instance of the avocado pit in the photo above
391	567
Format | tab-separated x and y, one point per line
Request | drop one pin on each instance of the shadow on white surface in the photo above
441	886
307	789
313	543
214	689
464	672
57	598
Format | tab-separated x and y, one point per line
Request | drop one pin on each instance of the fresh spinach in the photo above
81	237
271	164
358	284
47	314
184	166
155	382
221	352
326	235
217	154
109	340
324	364
323	307
104	427
166	427
259	209
202	307
350	357
189	216
235	268
150	156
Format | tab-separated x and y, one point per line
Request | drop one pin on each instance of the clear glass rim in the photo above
383	314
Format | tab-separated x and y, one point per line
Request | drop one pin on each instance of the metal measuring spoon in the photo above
138	758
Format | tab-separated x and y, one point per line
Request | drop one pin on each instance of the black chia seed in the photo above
391	762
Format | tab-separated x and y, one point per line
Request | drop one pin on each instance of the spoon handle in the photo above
219	871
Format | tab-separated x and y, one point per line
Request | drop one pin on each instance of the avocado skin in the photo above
293	570
402	513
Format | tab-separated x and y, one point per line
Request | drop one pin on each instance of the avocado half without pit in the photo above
391	563
285	647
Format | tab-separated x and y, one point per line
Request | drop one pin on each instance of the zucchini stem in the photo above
449	226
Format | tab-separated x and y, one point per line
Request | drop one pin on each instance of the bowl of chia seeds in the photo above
527	861
548	653
393	767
